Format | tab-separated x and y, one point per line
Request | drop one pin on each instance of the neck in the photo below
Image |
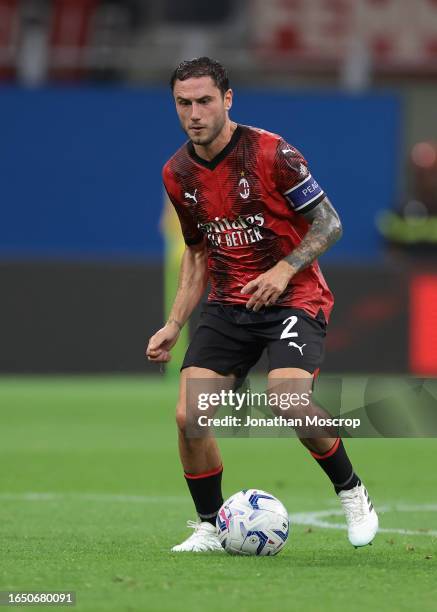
208	152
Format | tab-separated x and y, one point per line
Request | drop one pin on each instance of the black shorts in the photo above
231	339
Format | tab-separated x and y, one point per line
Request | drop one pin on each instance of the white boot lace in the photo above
193	524
355	507
199	528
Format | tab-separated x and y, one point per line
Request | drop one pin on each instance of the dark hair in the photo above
199	67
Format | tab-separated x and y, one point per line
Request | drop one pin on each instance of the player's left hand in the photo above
267	287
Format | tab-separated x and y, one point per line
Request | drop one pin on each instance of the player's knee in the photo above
184	419
181	418
187	422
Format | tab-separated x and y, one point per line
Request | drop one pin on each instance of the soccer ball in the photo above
252	522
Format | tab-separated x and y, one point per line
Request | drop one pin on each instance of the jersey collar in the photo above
213	163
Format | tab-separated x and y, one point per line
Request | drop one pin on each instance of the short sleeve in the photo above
294	179
190	231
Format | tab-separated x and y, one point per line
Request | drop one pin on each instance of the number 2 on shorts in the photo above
291	323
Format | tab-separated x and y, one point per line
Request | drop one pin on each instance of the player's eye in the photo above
184	102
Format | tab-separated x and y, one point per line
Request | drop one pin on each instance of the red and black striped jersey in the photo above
248	201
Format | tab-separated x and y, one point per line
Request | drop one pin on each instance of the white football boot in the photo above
361	518
204	539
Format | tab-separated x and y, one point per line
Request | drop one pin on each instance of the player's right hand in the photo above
158	349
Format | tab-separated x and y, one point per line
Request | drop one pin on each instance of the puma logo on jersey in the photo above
191	196
288	150
303	170
300	348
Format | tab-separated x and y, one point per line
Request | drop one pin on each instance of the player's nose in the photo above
195	112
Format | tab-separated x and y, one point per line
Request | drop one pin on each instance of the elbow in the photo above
338	231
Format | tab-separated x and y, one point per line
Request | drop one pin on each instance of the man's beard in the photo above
207	139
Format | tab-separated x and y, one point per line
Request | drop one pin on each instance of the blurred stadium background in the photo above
87	121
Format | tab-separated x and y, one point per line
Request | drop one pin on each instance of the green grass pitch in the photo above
92	498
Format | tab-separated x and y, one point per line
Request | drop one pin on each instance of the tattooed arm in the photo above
325	229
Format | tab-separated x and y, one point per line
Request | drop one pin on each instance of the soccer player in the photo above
254	222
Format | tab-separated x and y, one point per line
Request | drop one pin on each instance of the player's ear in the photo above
228	99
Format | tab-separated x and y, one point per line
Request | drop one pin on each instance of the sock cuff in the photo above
213	472
328	453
